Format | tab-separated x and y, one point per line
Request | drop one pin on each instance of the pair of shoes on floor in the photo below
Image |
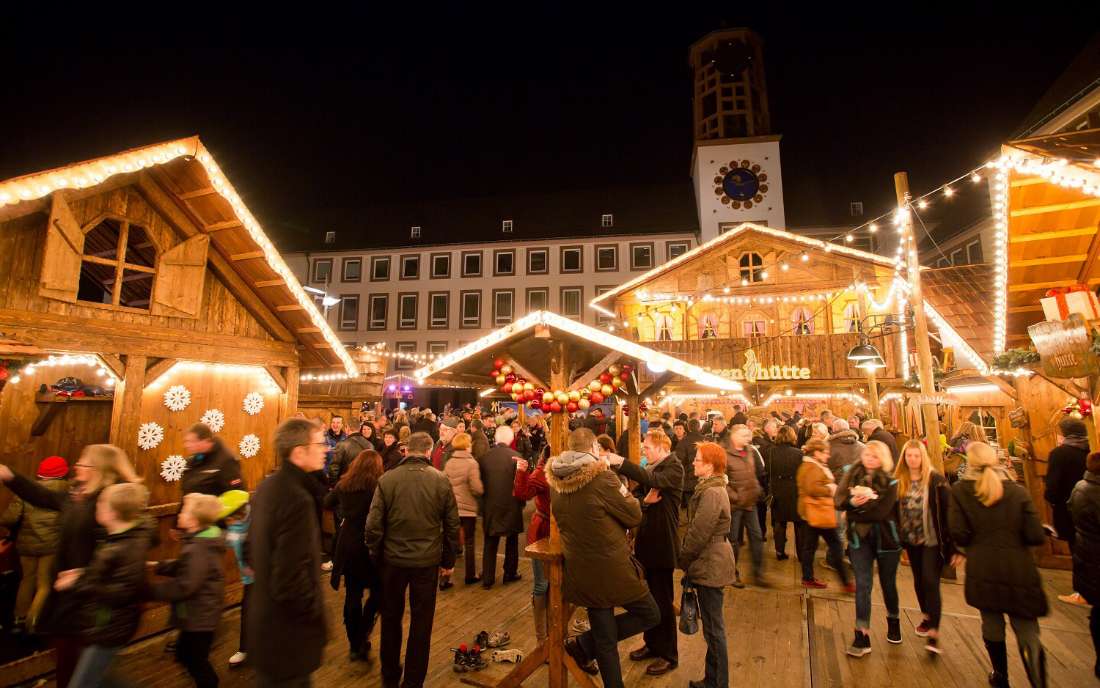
468	659
659	667
574	649
492	640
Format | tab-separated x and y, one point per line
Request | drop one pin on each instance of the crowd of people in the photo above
411	492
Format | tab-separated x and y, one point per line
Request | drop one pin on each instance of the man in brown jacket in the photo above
594	511
743	465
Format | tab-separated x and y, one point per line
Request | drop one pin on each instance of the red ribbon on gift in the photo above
1059	295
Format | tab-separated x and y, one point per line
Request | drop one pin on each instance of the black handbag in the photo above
689	610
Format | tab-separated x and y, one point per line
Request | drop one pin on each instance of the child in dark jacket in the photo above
196	585
110	587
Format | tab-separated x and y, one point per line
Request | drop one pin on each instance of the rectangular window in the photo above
974	252
379	307
538	299
440	309
379	268
471	309
602	319
538	261
506	226
571	298
437	348
504	262
607	257
322	271
401	363
441	265
675	249
406	311
957	257
503	306
572	258
855	208
352	269
752	328
641	256
607	220
471	263
410	267
330	237
349	312
414	232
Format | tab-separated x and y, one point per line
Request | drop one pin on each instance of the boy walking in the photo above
196	585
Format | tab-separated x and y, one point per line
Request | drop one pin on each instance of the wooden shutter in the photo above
181	276
60	275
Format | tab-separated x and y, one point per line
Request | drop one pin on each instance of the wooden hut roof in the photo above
186	172
963	296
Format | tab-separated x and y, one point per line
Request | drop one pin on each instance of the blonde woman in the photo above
923	499
465	476
868	494
968	432
994	520
99	466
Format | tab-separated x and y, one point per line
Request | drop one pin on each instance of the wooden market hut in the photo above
143	276
558	354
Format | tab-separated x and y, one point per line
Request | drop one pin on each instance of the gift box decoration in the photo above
1059	303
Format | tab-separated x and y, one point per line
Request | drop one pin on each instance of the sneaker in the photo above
931	645
814	584
461	663
922	629
474	660
237	659
861	645
893	630
327	566
1075	599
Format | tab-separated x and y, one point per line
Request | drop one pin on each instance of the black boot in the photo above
998	656
1036	668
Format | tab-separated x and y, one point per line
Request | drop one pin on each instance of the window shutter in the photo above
181	276
60	276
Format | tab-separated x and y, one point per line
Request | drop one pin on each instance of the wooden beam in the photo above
247	255
1030	286
1052	260
655	386
1056	207
158	369
126	410
1037	308
269	283
1054	234
277	376
308	330
219	226
1090	260
114	363
288	403
197	193
604	362
321	345
289	307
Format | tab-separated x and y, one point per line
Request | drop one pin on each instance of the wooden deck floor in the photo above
769	643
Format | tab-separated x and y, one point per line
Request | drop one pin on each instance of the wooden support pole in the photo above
126	411
920	331
634	444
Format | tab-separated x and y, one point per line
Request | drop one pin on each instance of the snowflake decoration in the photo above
150	435
177	398
213	419
253	403
171	469
249	446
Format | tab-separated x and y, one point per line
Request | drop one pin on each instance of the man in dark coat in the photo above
873	430
1084	505
657	544
718	430
688	436
412	534
211	469
286	611
764	441
743	468
739	417
347	450
1066	467
334	435
502	514
426	424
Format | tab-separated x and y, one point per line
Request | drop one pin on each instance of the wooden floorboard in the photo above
767	638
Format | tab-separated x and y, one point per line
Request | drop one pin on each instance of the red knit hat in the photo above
53	467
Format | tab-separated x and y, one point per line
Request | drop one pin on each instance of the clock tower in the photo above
735	164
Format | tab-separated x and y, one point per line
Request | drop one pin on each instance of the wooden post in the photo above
126	409
634	443
920	331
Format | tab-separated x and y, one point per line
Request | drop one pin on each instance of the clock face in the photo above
740	184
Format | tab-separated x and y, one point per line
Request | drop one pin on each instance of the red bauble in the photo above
510	377
627	368
498	363
596	397
624	377
3	373
529	394
571	407
555	407
506	388
546	408
605	378
495	374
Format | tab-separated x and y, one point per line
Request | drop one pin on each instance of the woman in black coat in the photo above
782	473
1084	504
994	521
352	563
99	466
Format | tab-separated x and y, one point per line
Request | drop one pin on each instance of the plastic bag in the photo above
689	610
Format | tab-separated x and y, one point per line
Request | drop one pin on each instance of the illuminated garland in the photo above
599	389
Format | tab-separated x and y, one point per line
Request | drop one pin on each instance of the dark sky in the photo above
315	118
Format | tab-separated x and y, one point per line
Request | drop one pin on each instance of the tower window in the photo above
855	208
414	232
752	267
506	226
607	220
330	237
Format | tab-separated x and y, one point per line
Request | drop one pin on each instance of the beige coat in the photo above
465	476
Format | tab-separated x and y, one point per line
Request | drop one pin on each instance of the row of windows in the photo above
642	257
803	323
469	316
970	255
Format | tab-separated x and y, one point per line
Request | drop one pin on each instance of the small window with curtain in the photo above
852	321
663	324
708	326
753	328
802	321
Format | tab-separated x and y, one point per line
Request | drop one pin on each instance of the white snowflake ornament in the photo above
177	398
213	419
150	435
249	446
253	403
171	469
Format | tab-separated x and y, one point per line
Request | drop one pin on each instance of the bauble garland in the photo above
599	389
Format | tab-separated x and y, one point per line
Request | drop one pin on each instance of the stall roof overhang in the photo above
188	173
600	302
523	343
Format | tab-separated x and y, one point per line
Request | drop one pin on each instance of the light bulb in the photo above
872	228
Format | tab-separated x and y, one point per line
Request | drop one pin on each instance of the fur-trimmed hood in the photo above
577	479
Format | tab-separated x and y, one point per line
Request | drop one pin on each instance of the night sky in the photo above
315	119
